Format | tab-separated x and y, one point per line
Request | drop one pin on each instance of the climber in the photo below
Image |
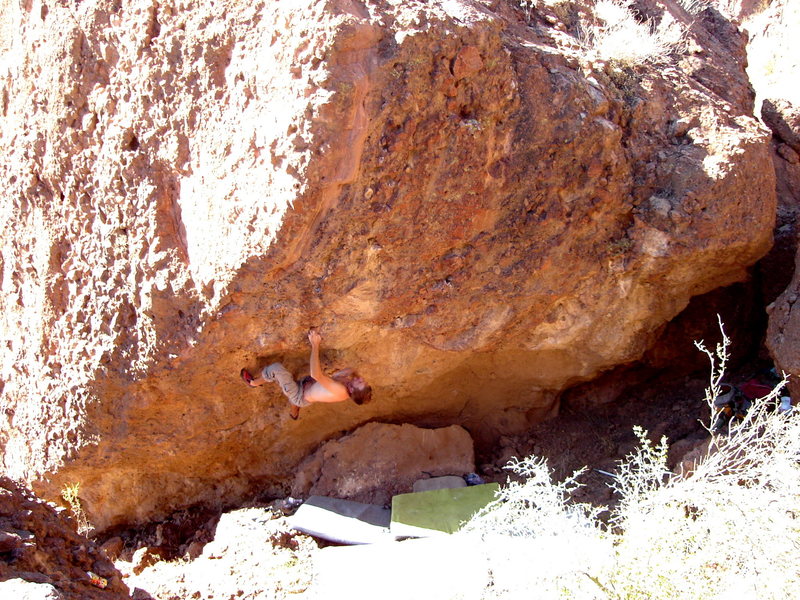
317	387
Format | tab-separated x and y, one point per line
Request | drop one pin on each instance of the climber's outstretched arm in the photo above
314	338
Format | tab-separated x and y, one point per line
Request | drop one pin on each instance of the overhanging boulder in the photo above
476	213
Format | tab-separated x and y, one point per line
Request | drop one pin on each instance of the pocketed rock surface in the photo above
475	212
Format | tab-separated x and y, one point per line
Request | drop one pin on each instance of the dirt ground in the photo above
597	438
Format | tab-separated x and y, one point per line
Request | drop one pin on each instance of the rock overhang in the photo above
476	218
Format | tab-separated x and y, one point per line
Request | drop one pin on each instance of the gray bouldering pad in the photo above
439	483
343	521
438	512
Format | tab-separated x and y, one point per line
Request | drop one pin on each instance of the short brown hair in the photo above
358	389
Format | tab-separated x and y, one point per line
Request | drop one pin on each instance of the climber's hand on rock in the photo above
314	337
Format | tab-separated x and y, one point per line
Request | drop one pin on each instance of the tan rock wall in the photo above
474	213
378	461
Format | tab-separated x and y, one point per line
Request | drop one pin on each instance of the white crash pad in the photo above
343	521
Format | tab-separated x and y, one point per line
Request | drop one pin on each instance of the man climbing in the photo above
318	387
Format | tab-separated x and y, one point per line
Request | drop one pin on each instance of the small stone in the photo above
146	557
285	506
140	594
680	127
660	206
194	549
104	569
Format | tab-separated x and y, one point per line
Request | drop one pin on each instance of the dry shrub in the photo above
695	7
617	36
534	538
730	529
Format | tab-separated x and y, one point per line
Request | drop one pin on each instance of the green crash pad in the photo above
438	512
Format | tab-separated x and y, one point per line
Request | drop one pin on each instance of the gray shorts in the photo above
290	388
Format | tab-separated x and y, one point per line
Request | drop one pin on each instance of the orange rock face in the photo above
474	213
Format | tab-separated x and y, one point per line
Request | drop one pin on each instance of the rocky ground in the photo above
254	554
42	556
598	438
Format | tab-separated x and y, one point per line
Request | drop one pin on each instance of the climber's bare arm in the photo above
332	391
314	338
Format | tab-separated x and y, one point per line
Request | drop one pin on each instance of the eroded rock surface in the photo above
43	556
783	333
476	214
378	461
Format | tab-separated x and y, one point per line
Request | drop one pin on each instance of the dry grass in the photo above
695	6
69	494
612	31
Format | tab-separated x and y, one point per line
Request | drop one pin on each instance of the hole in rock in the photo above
132	144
